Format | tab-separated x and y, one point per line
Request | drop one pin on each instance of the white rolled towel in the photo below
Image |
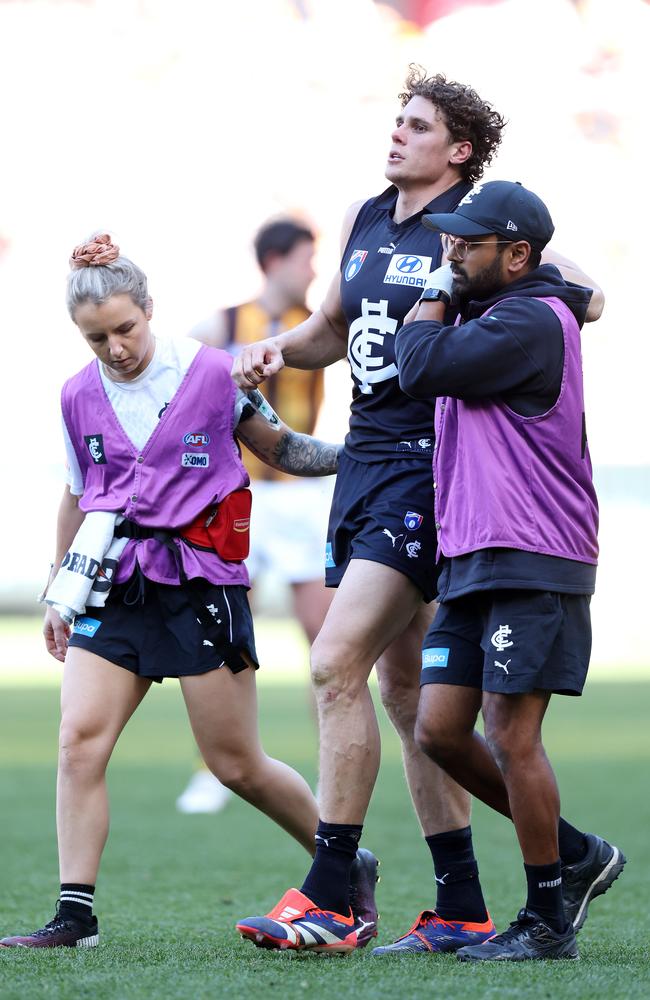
94	549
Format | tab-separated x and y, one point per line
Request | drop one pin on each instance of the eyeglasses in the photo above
460	246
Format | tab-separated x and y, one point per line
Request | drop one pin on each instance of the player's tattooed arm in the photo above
281	447
302	455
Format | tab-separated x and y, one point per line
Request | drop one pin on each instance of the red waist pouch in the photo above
226	529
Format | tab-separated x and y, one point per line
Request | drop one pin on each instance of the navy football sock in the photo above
328	881
460	896
572	843
545	894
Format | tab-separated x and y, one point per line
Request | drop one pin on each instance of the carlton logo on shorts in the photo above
355	264
421	446
85	626
408	269
435	656
95	443
500	638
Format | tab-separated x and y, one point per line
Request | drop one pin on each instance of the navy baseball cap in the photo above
502	207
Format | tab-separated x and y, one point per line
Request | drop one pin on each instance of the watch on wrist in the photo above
435	295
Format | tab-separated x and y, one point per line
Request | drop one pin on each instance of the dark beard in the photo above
483	285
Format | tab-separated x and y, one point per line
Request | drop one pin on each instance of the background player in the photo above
289	527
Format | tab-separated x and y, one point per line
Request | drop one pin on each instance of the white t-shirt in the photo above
140	402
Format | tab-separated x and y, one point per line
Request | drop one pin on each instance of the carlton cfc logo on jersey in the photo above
408	269
95	445
354	264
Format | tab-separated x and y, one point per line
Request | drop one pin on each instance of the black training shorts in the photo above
510	642
160	635
383	511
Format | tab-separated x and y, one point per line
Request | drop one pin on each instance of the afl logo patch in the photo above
412	520
355	264
95	443
197	439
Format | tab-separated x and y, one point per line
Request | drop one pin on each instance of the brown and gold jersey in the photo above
295	395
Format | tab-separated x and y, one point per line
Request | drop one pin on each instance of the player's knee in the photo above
241	773
81	747
501	743
334	676
400	703
435	739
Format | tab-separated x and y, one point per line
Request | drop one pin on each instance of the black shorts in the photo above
160	636
510	642
383	511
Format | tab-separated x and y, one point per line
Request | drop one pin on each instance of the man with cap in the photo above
517	517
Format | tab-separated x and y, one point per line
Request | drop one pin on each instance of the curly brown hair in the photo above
466	115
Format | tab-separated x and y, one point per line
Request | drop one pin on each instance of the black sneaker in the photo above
62	932
528	937
363	879
592	876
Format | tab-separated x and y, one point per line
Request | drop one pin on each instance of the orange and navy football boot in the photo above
431	933
297	924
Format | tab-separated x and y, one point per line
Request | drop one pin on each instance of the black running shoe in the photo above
62	932
528	937
592	876
363	879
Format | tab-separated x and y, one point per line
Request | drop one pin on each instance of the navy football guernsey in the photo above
383	271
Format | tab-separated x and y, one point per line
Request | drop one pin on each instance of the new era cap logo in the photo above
511	225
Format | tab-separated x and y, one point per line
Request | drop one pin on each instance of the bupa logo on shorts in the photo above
329	558
408	269
195	460
95	443
85	626
355	264
435	656
197	439
413	520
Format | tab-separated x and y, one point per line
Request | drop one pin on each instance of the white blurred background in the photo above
181	125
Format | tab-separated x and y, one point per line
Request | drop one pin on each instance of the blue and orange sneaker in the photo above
431	933
297	924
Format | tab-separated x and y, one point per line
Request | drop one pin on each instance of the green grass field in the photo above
172	886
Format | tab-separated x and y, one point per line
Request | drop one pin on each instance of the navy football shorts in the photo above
161	635
510	642
383	511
